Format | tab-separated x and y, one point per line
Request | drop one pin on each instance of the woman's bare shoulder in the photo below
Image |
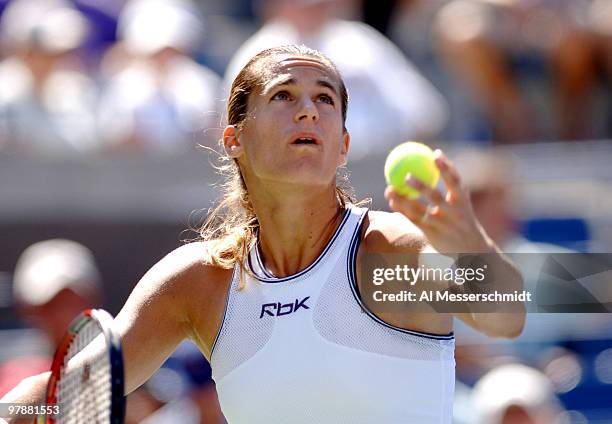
190	264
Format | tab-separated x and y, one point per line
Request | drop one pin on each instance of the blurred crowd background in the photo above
109	110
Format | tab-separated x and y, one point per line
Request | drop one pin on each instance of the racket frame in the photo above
104	321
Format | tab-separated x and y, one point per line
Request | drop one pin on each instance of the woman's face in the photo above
294	132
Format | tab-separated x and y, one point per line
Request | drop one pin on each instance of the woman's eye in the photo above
281	95
326	99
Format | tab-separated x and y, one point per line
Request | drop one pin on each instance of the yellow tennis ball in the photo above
411	158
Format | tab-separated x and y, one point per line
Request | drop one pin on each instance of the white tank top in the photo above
302	349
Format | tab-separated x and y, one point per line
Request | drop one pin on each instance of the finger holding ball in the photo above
411	158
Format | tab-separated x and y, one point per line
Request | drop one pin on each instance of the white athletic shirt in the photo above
301	350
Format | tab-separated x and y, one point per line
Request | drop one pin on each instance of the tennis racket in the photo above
86	383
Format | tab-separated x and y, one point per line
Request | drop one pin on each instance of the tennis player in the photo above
271	295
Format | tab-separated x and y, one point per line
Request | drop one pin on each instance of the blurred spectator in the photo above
390	100
515	394
527	64
102	17
378	13
140	405
54	281
203	392
158	98
3	4
185	387
490	176
229	23
47	99
410	27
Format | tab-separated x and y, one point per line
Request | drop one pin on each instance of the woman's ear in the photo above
346	141
232	145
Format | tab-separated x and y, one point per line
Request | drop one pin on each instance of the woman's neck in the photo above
295	229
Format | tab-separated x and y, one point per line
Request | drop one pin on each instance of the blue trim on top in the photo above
222	324
260	261
347	214
352	276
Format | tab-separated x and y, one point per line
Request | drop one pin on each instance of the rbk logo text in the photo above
278	309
